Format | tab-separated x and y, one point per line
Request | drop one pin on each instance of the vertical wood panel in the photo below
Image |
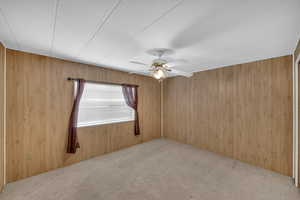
297	65
296	54
2	116
39	100
242	111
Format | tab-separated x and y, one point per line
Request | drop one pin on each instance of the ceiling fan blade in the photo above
181	73
145	71
138	63
174	62
170	59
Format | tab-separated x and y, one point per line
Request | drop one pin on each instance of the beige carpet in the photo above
160	169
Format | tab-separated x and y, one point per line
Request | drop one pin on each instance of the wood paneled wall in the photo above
2	116
296	54
242	111
39	100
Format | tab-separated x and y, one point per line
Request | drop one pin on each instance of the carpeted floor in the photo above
160	169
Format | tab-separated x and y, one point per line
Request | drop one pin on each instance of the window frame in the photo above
103	122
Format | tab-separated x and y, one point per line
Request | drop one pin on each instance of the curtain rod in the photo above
101	82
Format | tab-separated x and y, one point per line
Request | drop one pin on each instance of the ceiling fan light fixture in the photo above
159	74
162	66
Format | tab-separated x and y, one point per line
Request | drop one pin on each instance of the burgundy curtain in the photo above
72	138
131	97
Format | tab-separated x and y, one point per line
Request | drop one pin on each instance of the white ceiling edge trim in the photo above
79	61
298	41
114	68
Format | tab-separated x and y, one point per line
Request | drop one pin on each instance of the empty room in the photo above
149	99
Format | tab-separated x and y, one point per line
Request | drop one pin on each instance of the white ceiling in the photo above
110	33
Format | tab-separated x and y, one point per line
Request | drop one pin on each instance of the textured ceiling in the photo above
110	33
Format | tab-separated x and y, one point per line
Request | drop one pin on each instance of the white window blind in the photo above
103	104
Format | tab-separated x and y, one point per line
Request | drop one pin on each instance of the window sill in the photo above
103	123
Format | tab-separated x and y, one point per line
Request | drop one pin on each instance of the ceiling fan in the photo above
160	67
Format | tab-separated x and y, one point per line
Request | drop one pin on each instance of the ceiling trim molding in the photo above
100	26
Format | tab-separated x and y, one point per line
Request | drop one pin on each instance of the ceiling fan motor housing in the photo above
159	61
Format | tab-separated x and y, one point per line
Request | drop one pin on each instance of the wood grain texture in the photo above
39	100
242	111
2	116
296	54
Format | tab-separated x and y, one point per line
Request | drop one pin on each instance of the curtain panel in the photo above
131	98
73	143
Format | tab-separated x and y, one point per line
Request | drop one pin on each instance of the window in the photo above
103	104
